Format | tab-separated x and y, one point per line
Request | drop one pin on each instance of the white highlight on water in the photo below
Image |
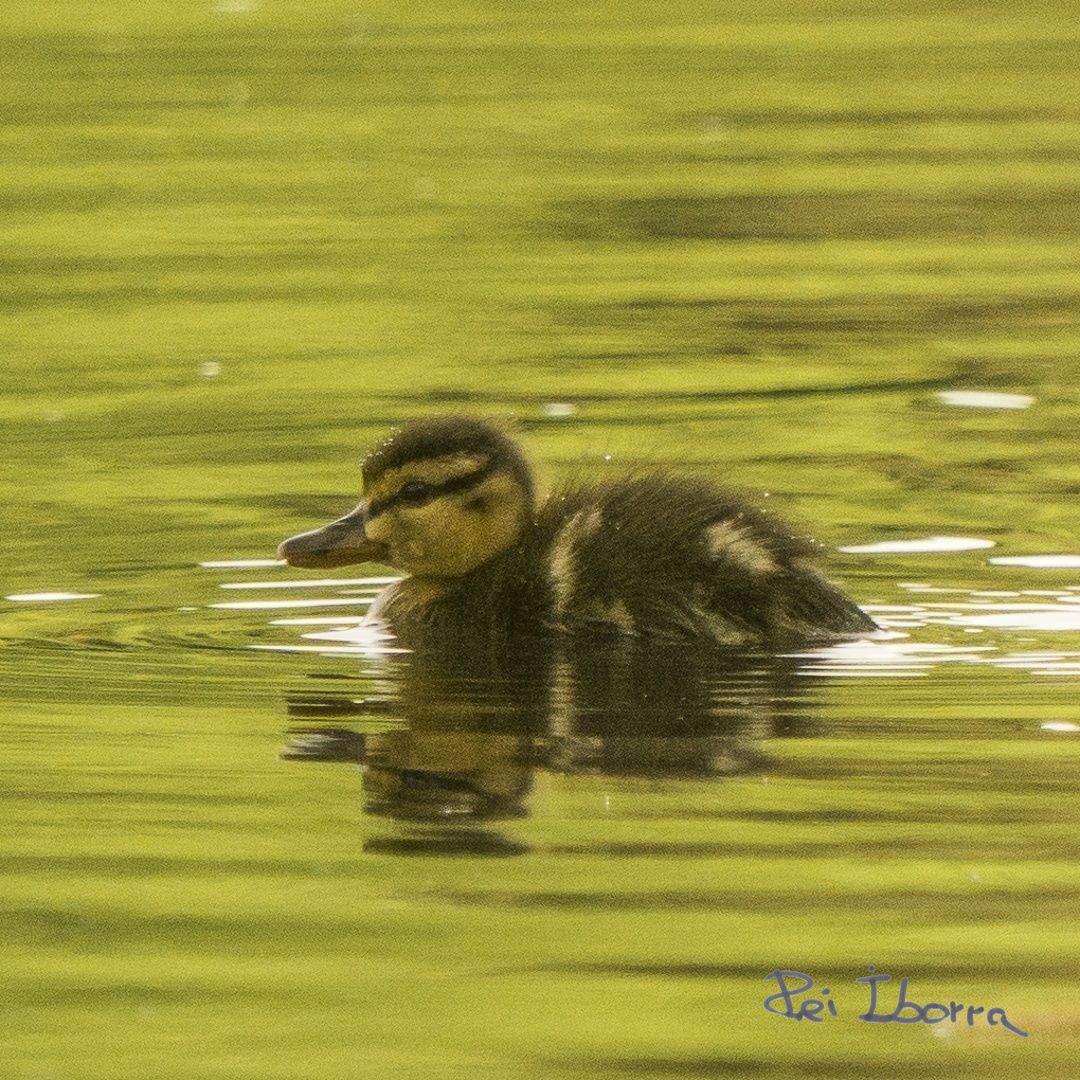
984	399
1061	562
310	584
1053	619
928	544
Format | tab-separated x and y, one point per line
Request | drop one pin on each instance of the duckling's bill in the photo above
341	543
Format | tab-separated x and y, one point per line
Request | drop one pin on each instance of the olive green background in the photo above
240	240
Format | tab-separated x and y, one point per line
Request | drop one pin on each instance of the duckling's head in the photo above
441	497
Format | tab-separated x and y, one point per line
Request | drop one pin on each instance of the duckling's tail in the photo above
819	610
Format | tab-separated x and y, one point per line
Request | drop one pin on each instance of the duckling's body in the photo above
450	500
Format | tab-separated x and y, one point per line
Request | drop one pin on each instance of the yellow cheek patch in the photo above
455	533
431	471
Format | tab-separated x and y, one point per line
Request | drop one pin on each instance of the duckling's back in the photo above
674	557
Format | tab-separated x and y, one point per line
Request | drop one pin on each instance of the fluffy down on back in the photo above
674	556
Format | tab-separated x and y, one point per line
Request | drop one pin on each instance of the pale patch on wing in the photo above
561	568
729	543
619	616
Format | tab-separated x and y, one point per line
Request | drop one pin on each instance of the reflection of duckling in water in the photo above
450	501
467	748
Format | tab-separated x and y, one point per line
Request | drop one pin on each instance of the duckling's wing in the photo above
759	579
634	555
676	557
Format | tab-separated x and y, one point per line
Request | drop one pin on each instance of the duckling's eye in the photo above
415	493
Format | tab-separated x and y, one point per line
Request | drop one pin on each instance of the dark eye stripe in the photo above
447	487
416	493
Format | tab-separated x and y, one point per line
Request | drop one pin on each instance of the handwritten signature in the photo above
794	984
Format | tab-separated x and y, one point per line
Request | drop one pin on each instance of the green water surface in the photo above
241	239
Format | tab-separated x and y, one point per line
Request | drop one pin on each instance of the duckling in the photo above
451	502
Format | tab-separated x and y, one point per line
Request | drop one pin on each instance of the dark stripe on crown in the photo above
439	436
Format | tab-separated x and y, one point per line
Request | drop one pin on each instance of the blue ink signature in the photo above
794	984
